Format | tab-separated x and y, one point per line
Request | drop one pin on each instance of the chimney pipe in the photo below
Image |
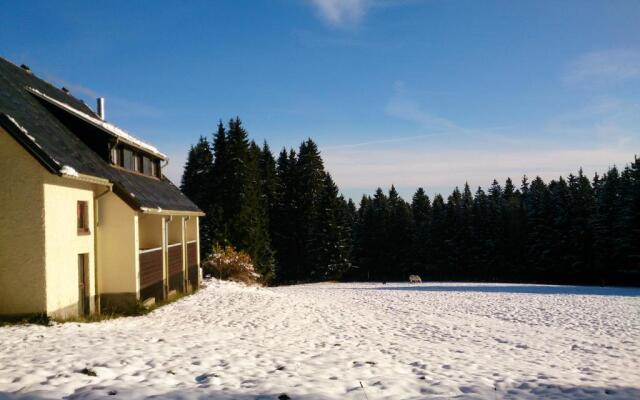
101	108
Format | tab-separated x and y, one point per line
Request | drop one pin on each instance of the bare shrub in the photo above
227	263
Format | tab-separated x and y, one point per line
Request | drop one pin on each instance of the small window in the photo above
155	169
128	159
140	163
147	166
83	217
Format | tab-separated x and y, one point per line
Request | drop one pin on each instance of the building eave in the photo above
89	179
160	211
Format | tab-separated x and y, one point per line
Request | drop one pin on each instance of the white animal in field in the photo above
414	279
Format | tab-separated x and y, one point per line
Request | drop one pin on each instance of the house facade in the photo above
89	223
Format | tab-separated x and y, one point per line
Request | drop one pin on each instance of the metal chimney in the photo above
101	108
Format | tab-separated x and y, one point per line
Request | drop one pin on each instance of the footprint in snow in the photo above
358	364
204	378
88	372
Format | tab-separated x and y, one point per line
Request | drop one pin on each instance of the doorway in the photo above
84	308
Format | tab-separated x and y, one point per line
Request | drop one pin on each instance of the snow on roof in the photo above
112	129
69	171
22	128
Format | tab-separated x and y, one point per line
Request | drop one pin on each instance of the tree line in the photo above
288	215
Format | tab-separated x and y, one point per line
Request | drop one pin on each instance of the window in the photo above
146	166
139	163
128	159
155	169
83	218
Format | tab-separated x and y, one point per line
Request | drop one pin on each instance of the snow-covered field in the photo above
430	341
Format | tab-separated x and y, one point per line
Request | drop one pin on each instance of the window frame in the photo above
82	217
132	160
138	159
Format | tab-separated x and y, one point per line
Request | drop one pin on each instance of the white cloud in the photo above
341	12
348	13
445	154
604	68
440	166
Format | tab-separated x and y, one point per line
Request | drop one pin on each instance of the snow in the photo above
401	341
22	129
69	171
127	137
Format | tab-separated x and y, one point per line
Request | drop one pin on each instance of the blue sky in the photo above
415	93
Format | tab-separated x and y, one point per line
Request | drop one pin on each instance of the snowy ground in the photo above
431	341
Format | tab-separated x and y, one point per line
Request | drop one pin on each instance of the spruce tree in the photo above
438	238
195	184
421	212
332	233
310	183
197	172
284	227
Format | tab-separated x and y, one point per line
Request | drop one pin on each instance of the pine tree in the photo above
421	212
216	221
514	230
560	229
438	237
400	235
284	226
482	247
310	183
268	180
539	229
581	208
197	172
195	184
631	218
333	234
362	258
239	215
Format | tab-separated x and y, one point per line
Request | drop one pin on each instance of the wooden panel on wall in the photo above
150	267
175	259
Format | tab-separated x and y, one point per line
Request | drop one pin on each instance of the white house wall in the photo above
117	244
22	244
63	244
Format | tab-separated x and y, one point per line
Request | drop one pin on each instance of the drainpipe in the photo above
96	222
165	255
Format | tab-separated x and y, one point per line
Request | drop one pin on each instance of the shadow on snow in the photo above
517	289
514	392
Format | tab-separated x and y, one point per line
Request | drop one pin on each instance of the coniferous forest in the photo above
287	213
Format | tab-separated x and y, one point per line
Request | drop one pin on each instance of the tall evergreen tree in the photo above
310	184
197	172
333	235
283	224
195	184
421	212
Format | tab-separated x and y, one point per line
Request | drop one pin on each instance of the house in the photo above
89	222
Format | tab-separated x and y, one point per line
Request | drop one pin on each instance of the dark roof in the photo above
52	141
